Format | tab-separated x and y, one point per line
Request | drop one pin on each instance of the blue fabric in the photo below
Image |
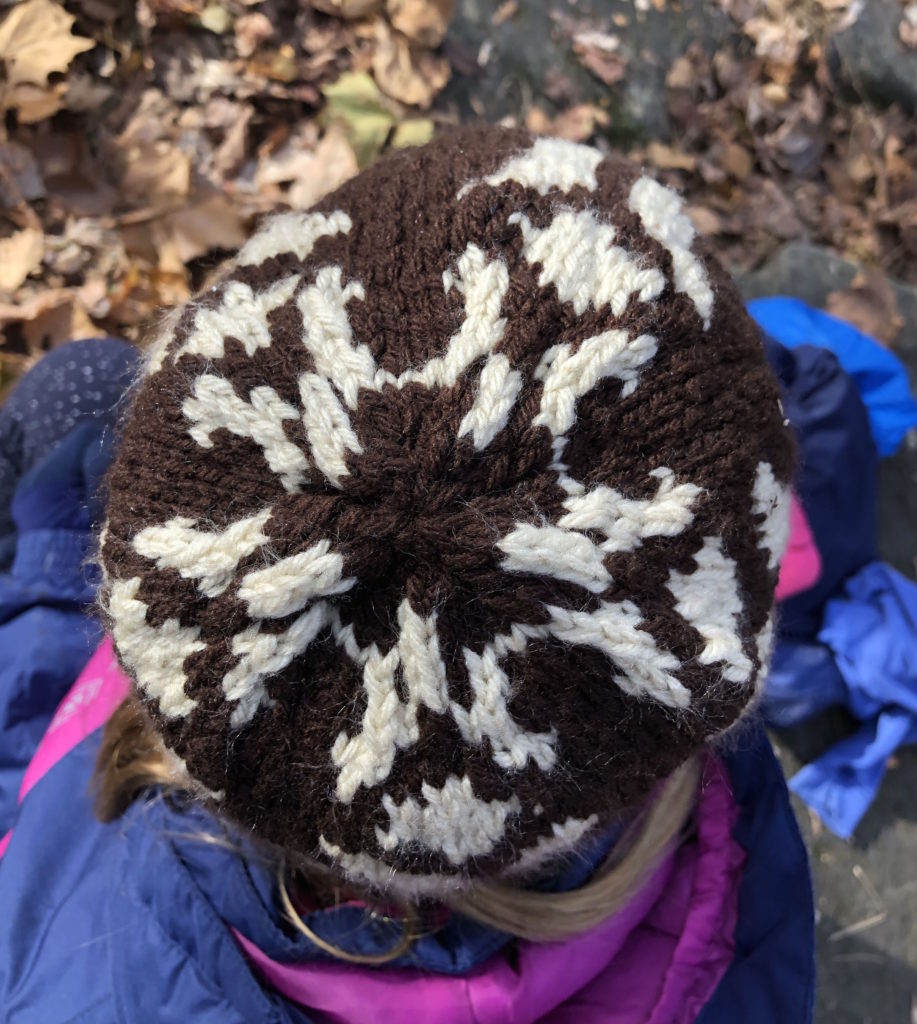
870	634
837	480
880	376
772	977
45	635
802	680
128	922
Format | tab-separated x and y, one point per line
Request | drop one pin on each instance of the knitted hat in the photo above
447	521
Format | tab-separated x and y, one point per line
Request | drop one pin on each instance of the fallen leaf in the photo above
251	31
576	124
669	157
335	163
349	9
508	9
907	28
156	174
20	254
422	21
416	132
737	161
216	19
707	221
681	74
51	318
354	102
34	103
407	74
35	41
598	53
868	303
209	224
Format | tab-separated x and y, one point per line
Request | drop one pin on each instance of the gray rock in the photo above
870	60
529	59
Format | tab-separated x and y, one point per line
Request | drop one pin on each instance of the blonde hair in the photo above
132	760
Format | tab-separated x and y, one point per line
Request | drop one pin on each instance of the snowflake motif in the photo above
394	488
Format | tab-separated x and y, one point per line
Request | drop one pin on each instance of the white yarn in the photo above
554	551
209	556
489	717
709	600
388	724
578	257
660	210
772	500
364	867
613	629
263	655
764	643
498	390
242	313
564	837
569	374
549	164
291	232
484	284
627	522
328	337
154	654
453	821
291	583
216	406
327	427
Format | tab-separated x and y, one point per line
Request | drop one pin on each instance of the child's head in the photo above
446	523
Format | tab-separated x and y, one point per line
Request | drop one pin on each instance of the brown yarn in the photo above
418	514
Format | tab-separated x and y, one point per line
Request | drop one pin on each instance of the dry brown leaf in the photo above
332	163
349	9
156	174
907	28
681	74
20	254
51	318
869	303
34	103
598	52
707	221
508	9
576	124
668	157
35	41
251	31
207	225
423	21
405	73
737	161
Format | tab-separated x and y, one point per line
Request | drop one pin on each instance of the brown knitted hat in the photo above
447	521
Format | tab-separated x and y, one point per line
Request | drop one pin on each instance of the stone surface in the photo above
502	70
870	60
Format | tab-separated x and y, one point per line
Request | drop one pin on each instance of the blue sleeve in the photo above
46	635
880	376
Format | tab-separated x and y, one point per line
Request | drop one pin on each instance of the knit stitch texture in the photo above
448	520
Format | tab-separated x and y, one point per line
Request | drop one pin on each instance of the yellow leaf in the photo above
354	101
417	132
20	254
35	41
